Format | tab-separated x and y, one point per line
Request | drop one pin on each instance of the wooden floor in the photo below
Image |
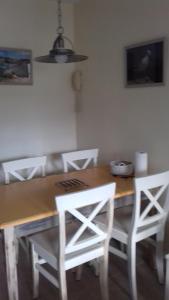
88	287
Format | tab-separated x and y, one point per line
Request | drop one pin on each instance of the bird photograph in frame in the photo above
145	64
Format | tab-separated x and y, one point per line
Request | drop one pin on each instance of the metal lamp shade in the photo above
61	56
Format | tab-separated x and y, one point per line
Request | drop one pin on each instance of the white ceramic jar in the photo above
121	168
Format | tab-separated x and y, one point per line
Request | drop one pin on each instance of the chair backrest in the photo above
97	198
71	159
34	164
153	210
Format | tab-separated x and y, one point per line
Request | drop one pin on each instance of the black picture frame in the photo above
144	64
15	66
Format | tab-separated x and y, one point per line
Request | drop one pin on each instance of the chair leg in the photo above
35	272
122	247
132	269
167	280
160	256
62	284
96	267
25	246
17	250
79	272
104	277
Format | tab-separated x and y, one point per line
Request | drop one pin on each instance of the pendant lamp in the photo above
59	54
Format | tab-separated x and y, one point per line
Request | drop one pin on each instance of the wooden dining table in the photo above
24	202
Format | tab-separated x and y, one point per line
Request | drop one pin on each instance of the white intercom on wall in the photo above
77	81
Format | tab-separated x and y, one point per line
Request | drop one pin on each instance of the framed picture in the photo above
144	64
15	66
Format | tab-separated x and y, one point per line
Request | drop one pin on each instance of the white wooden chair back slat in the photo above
69	159
153	204
87	162
150	220
87	223
98	197
34	171
16	175
34	163
72	164
160	209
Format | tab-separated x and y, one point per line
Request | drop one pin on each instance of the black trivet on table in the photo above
72	184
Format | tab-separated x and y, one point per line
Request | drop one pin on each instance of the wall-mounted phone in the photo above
77	81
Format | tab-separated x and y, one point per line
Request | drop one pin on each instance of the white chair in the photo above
145	219
167	278
72	159
70	245
34	165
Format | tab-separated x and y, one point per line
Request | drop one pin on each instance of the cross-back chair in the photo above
72	159
145	219
14	169
76	243
33	163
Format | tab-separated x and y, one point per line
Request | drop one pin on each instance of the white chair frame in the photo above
74	252
69	159
35	164
144	225
167	278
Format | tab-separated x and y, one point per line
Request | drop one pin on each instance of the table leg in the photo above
11	263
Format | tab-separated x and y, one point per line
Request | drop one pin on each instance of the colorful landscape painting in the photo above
15	66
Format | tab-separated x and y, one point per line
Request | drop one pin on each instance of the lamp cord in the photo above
60	29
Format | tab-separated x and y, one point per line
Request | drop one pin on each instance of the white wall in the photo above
37	119
121	120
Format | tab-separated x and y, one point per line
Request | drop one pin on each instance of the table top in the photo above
23	202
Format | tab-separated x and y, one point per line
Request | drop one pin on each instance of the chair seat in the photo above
46	244
121	223
122	218
36	226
